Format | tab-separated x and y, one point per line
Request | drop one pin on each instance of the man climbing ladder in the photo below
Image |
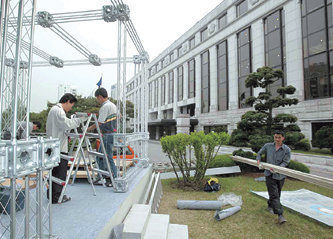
106	120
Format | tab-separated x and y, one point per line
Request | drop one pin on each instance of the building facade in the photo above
202	74
66	88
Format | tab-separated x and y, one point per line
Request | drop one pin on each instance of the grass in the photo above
253	221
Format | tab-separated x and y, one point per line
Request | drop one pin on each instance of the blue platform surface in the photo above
86	215
308	203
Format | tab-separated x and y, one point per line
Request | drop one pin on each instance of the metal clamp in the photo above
121	185
49	151
22	157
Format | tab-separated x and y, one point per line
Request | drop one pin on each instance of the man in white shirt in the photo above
56	125
107	109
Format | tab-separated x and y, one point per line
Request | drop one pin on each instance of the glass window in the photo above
179	51
222	21
311	4
242	8
317	22
317	42
180	83
275	46
274	39
205	83
244	37
204	34
222	76
316	81
274	58
192	43
156	94
150	95
172	57
272	22
244	66
163	90
171	87
191	78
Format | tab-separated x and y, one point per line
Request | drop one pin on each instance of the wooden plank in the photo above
83	173
310	178
6	183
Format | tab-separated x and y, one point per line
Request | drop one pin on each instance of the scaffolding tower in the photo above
24	163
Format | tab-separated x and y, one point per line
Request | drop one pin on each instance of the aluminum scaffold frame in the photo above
30	159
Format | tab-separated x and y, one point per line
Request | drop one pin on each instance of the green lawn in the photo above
253	221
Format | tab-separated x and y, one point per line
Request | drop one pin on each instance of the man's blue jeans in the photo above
108	144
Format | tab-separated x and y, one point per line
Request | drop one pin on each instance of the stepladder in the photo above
81	153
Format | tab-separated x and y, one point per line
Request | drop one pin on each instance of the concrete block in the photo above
157	227
136	221
177	231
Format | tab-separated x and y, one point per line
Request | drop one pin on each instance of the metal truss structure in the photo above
29	160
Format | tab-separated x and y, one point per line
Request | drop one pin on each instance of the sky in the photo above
158	24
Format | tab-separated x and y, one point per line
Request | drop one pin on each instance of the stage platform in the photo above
89	216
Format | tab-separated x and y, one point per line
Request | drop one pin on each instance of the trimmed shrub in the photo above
292	138
292	127
257	141
222	160
304	144
245	154
238	138
324	138
243	166
298	166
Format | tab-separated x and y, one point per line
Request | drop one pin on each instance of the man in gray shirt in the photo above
278	154
107	109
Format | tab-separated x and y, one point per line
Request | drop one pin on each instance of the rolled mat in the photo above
219	215
199	205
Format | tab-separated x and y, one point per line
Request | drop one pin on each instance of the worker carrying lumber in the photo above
278	154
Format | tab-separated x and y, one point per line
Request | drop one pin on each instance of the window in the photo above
205	83
275	46
171	88
317	29
244	65
191	78
180	83
242	8
192	43
204	34
156	94
163	85
222	76
222	21
150	94
179	51
172	57
216	129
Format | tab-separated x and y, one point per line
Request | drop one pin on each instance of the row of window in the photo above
222	22
274	52
133	84
317	33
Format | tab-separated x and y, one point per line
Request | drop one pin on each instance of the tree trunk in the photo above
269	121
